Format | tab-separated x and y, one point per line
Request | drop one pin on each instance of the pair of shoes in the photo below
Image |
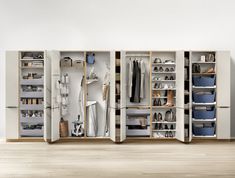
156	94
168	61
158	85
169	134
169	78
210	70
157	102
159	126
169	70
156	79
157	60
157	117
158	135
156	69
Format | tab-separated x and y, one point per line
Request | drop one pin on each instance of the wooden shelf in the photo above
203	73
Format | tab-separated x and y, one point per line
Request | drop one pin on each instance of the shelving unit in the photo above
204	125
160	93
31	93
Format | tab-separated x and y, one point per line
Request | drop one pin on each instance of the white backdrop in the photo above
116	24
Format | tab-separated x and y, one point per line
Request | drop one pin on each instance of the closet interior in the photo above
137	64
31	93
117	95
83	94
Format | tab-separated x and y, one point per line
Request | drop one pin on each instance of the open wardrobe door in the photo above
123	98
55	106
112	97
47	96
180	96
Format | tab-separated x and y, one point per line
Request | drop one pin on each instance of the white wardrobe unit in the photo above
117	95
25	94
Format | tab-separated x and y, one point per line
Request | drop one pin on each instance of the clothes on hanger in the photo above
136	80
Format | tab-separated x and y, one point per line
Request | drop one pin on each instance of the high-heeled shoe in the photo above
167	69
170	98
166	134
159	117
172	69
172	127
159	103
166	78
155	117
171	78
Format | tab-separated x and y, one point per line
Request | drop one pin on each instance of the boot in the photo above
170	98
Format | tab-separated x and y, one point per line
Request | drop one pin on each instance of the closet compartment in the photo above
203	130
31	93
203	81
204	113
138	122
203	97
30	130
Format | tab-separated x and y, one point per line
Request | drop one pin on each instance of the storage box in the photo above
203	81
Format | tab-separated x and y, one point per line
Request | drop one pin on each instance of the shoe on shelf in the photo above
159	117
167	69
155	69
166	78
172	77
170	98
166	127
172	69
161	69
157	60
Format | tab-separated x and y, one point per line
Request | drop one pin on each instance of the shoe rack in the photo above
31	93
163	95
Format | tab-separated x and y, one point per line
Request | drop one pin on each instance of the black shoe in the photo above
159	103
161	69
159	117
166	78
166	134
155	69
172	127
155	116
166	127
167	69
171	78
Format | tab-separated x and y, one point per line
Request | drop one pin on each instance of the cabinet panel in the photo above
180	79
12	79
180	124
223	123
47	99
223	69
112	97
12	123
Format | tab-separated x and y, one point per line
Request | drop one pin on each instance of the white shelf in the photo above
163	72
204	120
163	122
163	64
163	107
206	136
31	59
204	87
200	62
161	97
137	55
204	104
163	89
154	81
164	130
33	67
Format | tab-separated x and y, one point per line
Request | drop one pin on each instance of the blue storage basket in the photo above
204	131
204	98
204	114
203	81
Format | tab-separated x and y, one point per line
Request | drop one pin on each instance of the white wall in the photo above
116	24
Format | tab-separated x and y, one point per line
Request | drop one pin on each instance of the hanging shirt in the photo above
142	86
130	75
